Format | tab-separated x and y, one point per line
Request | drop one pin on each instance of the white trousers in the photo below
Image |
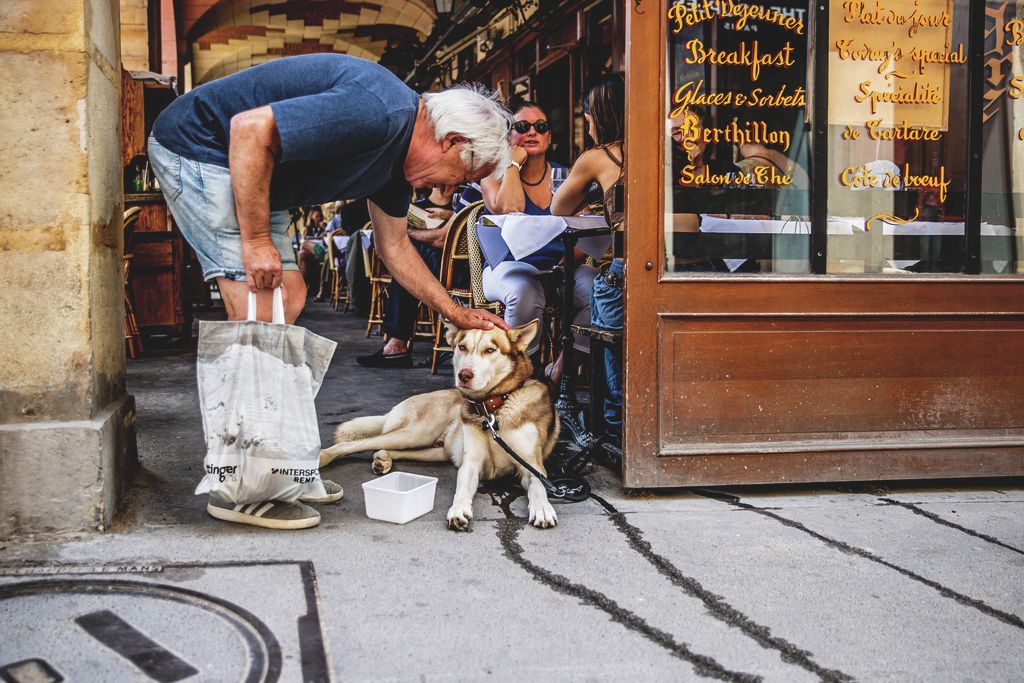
515	284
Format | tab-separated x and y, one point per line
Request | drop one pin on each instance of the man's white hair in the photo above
476	113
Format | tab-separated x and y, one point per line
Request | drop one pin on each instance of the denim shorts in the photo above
606	301
203	205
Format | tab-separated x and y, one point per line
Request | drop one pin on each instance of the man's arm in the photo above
406	266
252	153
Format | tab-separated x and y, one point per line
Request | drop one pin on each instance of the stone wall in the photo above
66	424
135	35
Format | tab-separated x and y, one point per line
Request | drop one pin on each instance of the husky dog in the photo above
492	375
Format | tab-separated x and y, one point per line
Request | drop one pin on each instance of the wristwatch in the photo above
513	162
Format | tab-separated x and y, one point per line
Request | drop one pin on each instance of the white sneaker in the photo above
270	514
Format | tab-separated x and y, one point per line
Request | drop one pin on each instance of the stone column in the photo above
67	440
135	35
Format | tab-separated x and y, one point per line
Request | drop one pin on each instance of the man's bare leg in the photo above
236	298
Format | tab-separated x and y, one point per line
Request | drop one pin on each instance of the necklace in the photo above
539	180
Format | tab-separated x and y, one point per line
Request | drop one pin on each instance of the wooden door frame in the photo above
644	202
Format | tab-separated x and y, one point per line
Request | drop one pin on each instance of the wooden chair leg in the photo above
131	328
380	308
373	307
438	326
136	333
343	291
598	386
335	289
378	297
128	339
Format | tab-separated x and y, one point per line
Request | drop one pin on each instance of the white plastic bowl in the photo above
399	497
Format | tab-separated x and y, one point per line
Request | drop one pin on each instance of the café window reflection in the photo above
737	142
1002	214
897	113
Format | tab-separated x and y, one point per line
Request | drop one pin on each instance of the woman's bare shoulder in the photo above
596	159
589	163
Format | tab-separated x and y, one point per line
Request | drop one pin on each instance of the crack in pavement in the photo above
981	606
952	525
716	605
508	535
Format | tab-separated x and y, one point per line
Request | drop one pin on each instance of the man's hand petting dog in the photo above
475	319
492	366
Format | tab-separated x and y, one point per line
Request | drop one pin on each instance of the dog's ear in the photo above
522	336
449	333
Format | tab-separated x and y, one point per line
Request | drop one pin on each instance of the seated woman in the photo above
603	109
526	188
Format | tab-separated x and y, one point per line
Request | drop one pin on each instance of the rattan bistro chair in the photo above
336	275
379	278
132	337
455	256
476	264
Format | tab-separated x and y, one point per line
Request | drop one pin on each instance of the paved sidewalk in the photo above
919	581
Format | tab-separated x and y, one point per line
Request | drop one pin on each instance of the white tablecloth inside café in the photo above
521	234
838	225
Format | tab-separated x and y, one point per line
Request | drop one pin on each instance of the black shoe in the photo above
379	360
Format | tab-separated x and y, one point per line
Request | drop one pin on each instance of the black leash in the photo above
567	489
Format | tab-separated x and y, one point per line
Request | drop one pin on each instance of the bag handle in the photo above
278	307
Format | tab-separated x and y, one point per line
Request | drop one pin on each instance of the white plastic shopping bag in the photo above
257	382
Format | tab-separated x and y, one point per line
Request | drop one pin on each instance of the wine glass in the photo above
558	176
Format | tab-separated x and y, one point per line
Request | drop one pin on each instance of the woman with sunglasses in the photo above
526	188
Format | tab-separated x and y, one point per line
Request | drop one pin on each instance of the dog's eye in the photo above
461	347
490	350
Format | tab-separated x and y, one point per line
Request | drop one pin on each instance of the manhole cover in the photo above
161	623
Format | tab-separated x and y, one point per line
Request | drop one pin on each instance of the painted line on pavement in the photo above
980	605
717	606
703	665
953	525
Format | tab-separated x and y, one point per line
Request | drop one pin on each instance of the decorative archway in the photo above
231	35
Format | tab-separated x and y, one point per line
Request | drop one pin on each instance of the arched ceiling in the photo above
226	36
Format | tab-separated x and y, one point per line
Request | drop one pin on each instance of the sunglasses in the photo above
523	127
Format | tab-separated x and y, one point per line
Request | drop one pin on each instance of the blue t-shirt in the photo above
345	126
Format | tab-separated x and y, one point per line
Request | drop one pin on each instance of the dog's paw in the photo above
543	515
459	517
382	462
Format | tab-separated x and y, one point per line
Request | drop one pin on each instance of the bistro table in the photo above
521	235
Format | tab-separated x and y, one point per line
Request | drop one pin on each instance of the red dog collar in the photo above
489	405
